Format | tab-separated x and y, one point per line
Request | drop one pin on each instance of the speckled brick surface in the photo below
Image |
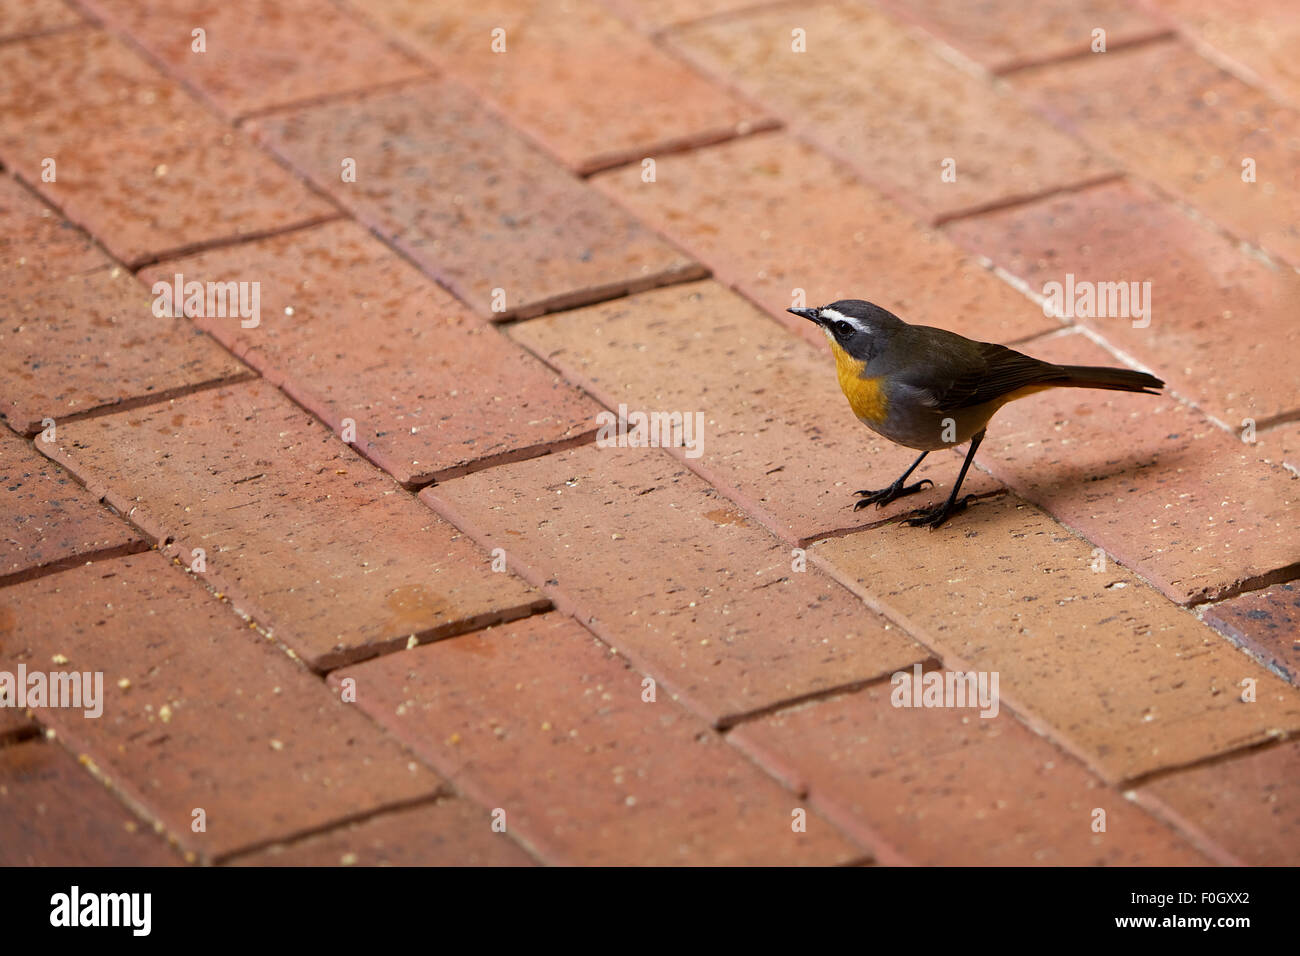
356	334
366	589
57	817
1178	120
595	527
328	589
199	712
47	520
533	62
1266	624
899	115
137	161
491	217
256	56
540	721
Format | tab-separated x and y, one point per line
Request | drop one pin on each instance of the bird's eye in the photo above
843	328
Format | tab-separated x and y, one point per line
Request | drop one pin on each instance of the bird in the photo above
927	388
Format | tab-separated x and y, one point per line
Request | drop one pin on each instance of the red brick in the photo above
52	813
327	553
38	246
948	787
538	719
451	832
730	206
1250	806
212	716
890	106
140	164
667	571
53	81
1097	660
779	435
1190	507
472	203
89	342
350	330
1222	323
636	99
36	16
1281	446
260	55
49	521
1004	35
1258	41
1266	624
653	17
15	725
1178	120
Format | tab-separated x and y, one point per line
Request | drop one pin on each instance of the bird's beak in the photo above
812	315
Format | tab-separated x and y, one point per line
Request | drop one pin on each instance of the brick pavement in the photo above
352	543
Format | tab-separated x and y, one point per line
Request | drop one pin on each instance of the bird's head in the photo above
857	327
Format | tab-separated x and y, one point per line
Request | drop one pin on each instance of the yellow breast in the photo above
866	395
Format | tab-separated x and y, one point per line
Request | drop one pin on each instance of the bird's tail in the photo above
1119	379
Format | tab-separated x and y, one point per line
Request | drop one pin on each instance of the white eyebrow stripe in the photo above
837	316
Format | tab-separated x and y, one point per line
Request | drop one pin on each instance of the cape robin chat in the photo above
928	388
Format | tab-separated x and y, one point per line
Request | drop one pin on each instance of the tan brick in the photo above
352	331
653	17
636	100
1005	35
200	712
260	55
667	571
1281	446
36	16
329	554
1096	659
890	106
1187	505
1171	116
945	787
539	720
730	206
1221	327
1250	805
1259	40
472	202
144	167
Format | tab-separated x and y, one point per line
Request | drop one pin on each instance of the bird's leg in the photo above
897	490
933	517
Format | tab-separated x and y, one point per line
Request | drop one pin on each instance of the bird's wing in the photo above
965	373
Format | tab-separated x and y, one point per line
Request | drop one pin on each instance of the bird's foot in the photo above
934	517
885	495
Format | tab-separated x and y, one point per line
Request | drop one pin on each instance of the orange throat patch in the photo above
866	395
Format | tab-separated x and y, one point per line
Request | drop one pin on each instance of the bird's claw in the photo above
885	495
936	516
